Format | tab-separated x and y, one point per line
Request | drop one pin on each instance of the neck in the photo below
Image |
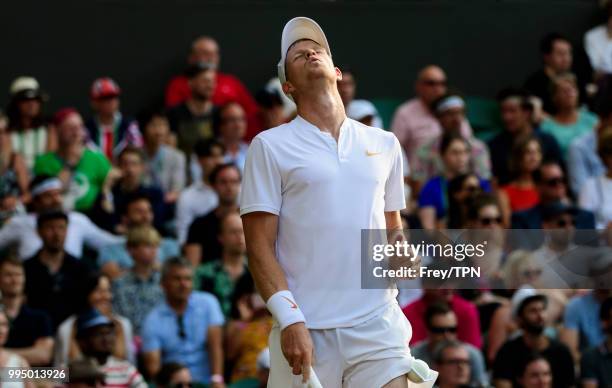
199	106
26	122
324	110
71	153
566	114
152	147
232	259
525	178
51	259
106	118
178	305
232	146
12	303
130	184
142	271
537	342
223	209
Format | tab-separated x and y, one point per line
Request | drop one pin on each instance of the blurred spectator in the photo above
535	373
596	192
520	193
228	88
96	336
521	269
165	166
95	302
598	43
137	212
450	113
582	160
596	364
347	87
10	359
246	335
468	324
433	200
462	190
441	324
54	278
185	328
192	120
31	334
202	243
452	361
528	308
271	108
132	166
173	375
582	327
141	282
82	171
14	174
414	122
568	121
517	118
46	196
199	198
108	129
29	132
362	111
550	182
85	373
230	124
219	276
557	58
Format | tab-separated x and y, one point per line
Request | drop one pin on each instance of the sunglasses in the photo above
457	362
553	182
433	82
528	273
443	329
562	223
487	221
182	385
181	327
472	189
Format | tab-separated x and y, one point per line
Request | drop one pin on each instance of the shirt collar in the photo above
303	122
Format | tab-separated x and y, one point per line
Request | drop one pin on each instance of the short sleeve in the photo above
216	317
571	316
394	187
150	339
262	184
503	367
430	195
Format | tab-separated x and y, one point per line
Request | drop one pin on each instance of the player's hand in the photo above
297	348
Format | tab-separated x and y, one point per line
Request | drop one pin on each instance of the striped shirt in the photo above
121	374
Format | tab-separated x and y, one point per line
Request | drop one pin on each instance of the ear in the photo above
288	88
338	74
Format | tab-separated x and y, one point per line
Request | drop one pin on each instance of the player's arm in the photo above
260	231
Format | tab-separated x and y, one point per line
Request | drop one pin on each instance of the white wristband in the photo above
283	307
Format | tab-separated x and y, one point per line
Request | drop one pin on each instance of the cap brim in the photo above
297	29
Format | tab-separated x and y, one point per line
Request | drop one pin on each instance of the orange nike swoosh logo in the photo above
293	305
370	153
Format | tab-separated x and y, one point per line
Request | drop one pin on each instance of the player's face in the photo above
307	61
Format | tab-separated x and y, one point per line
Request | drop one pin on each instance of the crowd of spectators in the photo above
123	256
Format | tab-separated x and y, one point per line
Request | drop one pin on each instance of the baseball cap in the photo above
522	296
104	87
25	88
90	319
299	28
358	109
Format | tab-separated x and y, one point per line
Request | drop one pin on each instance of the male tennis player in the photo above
310	187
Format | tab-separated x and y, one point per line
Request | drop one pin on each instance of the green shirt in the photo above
87	178
212	277
566	133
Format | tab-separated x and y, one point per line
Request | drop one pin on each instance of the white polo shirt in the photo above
324	194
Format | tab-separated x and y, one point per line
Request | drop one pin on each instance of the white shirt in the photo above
196	200
598	47
596	196
324	194
21	230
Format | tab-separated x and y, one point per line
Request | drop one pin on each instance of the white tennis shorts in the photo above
368	355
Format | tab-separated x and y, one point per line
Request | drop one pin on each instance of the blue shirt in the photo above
434	194
583	162
119	254
582	314
160	331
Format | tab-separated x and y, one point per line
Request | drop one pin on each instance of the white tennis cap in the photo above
299	28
